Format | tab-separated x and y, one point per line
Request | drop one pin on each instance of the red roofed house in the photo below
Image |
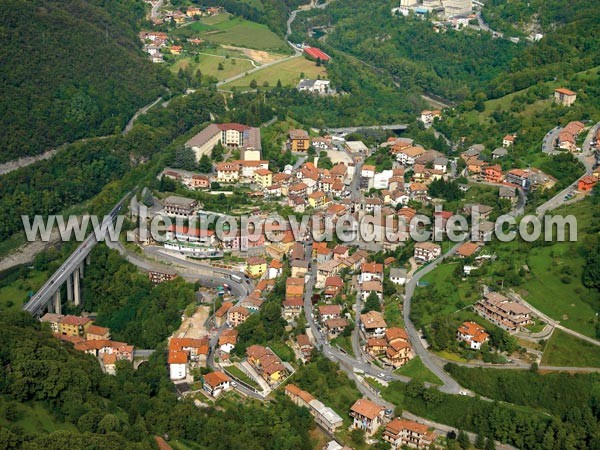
305	346
221	313
370	272
508	140
564	96
216	382
467	249
492	174
94	332
586	183
473	334
315	53
367	415
177	364
292	307
327	312
400	433
333	286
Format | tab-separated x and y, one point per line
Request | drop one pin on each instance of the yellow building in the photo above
257	266
317	199
74	326
263	177
299	141
274	372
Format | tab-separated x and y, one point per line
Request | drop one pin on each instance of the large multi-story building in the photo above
179	206
237	315
505	313
426	251
299	140
232	135
400	433
324	416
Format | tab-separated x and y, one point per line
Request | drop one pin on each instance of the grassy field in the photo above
393	312
417	371
209	65
14	289
568	351
554	284
288	72
547	290
35	418
229	30
237	372
343	342
530	110
457	293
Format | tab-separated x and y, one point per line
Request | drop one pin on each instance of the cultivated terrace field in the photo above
229	30
288	72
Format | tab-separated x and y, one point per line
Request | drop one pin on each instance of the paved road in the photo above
586	148
256	69
154	10
555	323
549	141
449	384
348	130
588	160
139	112
39	301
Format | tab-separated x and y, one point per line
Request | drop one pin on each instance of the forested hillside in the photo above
44	381
83	169
535	15
466	64
69	69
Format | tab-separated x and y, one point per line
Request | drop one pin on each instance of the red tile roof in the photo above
317	53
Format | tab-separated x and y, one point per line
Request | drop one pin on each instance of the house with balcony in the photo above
401	433
367	415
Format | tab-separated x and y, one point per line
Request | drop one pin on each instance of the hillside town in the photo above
300	226
337	294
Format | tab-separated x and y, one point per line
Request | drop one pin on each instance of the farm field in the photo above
229	30
209	65
288	72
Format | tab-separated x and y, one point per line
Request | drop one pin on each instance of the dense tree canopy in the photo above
69	69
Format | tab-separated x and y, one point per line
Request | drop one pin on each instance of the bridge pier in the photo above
70	288
88	259
57	305
81	269
76	289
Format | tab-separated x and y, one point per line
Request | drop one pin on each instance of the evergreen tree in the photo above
463	439
218	152
480	440
205	166
372	303
490	444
